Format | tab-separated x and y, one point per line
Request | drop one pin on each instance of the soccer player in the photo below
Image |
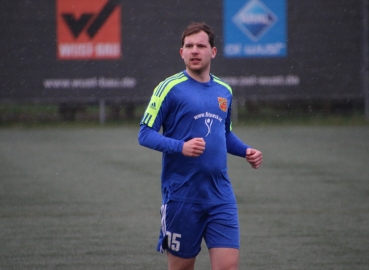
193	108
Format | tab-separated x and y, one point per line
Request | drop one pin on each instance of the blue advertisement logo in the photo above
255	28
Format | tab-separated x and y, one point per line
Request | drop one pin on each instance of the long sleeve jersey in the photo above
185	109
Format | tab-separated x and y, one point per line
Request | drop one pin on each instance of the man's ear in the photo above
214	52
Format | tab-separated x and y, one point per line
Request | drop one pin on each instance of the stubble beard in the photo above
198	70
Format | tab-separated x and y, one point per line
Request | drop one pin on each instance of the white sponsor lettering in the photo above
274	80
289	80
84	83
208	115
199	116
76	50
107	49
233	49
236	49
127	82
88	49
57	83
108	83
267	49
90	83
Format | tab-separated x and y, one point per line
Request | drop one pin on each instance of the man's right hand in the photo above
194	147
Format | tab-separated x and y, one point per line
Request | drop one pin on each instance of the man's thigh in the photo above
175	263
224	258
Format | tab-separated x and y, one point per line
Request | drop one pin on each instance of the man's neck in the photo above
203	76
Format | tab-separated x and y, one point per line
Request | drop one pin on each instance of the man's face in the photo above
197	52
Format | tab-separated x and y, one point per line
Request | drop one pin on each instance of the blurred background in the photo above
98	61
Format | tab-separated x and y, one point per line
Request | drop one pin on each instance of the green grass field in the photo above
89	198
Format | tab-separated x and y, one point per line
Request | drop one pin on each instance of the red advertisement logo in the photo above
88	29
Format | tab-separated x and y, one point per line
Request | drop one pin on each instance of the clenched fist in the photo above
194	147
254	157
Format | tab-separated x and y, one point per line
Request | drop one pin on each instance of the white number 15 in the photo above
173	242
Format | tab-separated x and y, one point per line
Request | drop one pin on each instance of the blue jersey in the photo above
185	109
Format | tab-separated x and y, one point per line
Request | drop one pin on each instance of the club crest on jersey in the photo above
222	104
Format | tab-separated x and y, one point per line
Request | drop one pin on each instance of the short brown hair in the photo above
196	27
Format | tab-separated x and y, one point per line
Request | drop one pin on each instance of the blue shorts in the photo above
184	225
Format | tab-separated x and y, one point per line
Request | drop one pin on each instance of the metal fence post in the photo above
102	111
364	67
235	111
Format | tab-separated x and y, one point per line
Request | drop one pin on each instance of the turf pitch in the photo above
89	198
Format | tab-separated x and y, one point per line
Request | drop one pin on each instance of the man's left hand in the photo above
254	157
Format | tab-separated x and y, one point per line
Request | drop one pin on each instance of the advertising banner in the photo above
88	29
255	28
67	50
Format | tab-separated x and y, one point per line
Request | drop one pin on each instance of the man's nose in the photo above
194	49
